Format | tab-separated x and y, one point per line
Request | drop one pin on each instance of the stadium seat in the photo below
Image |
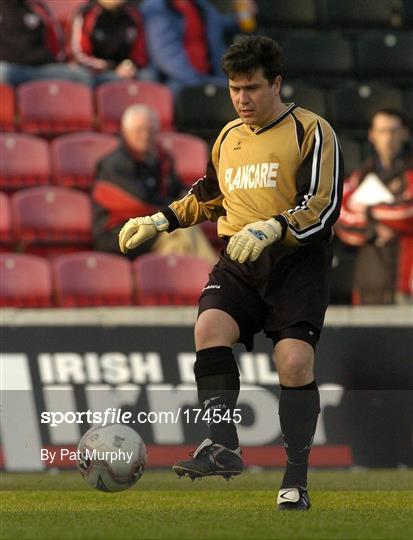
169	280
74	157
408	13
7	108
352	153
190	155
279	13
387	56
25	281
113	98
5	222
92	279
25	161
308	97
356	14
319	55
203	110
51	220
352	104
54	107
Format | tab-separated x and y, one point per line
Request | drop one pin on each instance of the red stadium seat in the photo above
51	220
190	155
5	222
55	107
7	108
169	280
74	157
92	279
113	98
25	161
25	281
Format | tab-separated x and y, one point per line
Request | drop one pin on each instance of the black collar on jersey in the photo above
276	120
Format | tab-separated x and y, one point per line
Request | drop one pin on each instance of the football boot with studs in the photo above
210	459
294	498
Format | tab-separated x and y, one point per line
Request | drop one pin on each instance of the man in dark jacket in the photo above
32	45
138	177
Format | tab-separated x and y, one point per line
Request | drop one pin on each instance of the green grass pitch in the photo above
374	504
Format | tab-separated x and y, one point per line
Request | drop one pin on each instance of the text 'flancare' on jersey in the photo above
251	176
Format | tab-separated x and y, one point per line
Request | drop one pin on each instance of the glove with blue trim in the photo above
247	244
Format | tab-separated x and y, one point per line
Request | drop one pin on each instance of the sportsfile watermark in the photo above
113	415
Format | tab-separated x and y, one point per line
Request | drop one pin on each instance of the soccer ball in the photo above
111	458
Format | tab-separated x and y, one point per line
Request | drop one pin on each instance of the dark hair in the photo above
249	53
390	111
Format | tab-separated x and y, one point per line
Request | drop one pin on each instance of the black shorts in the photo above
285	292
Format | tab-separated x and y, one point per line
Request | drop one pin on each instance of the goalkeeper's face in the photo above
256	100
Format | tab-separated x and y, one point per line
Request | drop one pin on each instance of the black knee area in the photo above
300	401
215	361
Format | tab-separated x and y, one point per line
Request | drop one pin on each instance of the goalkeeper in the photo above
274	186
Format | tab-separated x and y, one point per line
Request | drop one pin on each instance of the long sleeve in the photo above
53	35
352	227
82	27
138	54
397	216
202	202
356	228
319	183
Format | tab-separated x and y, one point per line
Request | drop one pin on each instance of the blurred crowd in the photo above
178	43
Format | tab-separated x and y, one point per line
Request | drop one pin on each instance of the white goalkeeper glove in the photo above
248	243
138	230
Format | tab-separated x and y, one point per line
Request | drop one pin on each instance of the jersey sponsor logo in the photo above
251	176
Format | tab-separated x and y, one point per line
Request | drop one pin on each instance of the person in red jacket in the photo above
32	45
377	214
108	38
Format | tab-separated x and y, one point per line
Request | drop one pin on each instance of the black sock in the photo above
217	377
298	410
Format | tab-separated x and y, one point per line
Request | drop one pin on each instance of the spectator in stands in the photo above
137	178
108	38
32	45
186	39
377	213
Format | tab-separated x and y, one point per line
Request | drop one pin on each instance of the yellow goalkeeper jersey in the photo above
290	169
